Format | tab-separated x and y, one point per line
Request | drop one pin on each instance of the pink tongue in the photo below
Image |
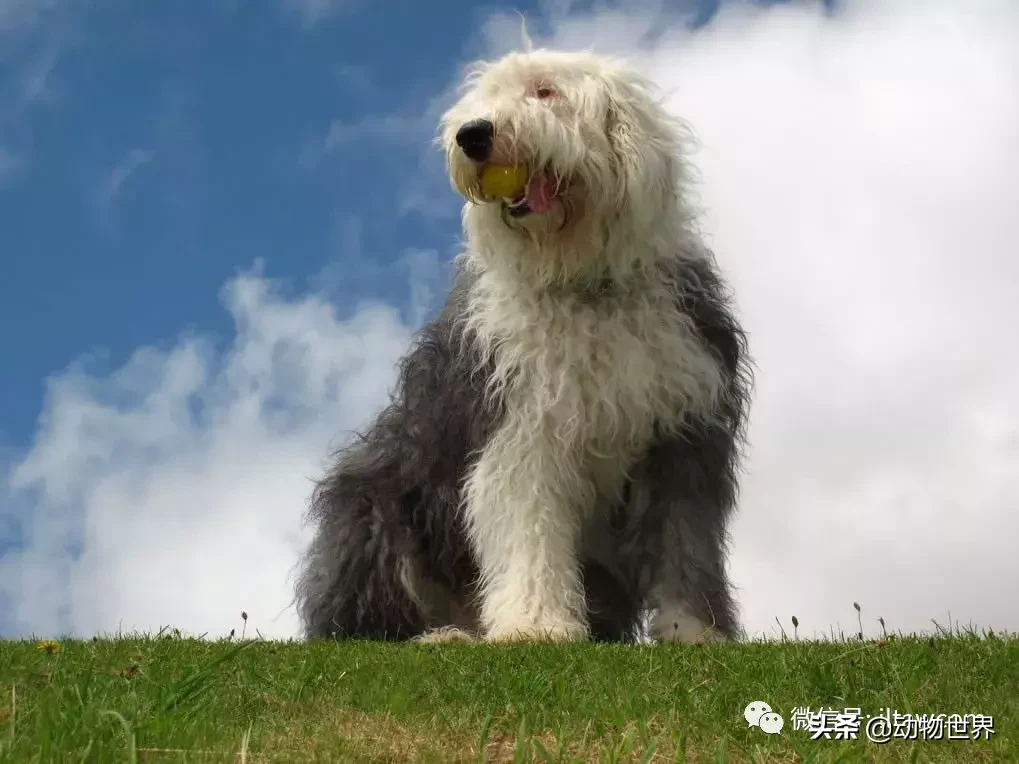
538	193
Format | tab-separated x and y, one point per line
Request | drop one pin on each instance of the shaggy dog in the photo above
560	456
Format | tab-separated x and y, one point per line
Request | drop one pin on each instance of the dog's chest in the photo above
598	375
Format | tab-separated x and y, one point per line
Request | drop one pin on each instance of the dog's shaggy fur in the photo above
561	453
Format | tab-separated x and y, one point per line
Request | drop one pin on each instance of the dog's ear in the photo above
641	156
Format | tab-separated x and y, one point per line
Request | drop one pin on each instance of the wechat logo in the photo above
759	714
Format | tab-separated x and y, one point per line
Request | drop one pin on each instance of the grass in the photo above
167	698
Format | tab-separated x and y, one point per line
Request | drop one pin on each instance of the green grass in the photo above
165	698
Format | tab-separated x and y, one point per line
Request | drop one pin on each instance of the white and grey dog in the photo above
560	456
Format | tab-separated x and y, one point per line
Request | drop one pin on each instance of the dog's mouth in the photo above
536	196
544	193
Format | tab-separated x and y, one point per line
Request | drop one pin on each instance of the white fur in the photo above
583	382
445	635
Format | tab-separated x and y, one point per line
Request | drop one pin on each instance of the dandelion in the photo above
49	646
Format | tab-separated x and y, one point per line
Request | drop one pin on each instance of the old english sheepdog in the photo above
560	457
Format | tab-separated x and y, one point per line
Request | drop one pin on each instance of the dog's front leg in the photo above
690	597
521	504
681	496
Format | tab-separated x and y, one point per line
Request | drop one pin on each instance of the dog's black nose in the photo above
475	139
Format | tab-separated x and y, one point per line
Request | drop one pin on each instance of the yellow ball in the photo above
499	180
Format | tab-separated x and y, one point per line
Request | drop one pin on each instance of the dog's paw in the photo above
704	635
445	635
545	631
678	626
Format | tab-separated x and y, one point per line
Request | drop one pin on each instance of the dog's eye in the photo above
545	91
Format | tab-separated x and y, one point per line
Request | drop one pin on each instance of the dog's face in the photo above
595	144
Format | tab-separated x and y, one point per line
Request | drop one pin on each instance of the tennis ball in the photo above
499	180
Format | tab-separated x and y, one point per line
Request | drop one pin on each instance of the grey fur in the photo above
390	558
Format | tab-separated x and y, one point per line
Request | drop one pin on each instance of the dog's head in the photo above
595	143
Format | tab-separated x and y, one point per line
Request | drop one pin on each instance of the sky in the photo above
221	223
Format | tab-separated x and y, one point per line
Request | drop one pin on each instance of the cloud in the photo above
10	164
343	135
35	81
115	184
17	15
425	189
313	12
356	77
171	490
34	36
114	180
391	127
859	179
858	175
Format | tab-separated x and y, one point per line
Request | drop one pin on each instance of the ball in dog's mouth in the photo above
503	180
535	197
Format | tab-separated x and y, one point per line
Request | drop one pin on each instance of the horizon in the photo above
223	226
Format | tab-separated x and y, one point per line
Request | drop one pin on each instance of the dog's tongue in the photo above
539	192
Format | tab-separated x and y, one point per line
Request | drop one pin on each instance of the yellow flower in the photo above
49	646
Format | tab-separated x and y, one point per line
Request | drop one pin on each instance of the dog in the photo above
561	455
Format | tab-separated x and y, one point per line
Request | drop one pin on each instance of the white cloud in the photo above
353	76
859	175
16	15
116	186
10	164
312	12
35	80
120	173
33	36
171	491
860	179
425	188
342	135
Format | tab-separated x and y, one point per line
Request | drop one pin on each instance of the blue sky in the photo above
167	140
176	143
152	154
